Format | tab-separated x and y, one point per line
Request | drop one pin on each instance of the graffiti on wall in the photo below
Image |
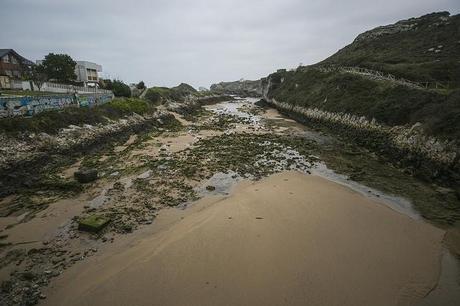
32	105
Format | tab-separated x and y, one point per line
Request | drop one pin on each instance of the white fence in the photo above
55	88
62	88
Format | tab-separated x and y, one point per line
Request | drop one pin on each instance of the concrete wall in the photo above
31	105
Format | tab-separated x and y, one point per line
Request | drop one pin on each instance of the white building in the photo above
87	72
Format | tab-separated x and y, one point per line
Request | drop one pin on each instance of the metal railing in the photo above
379	75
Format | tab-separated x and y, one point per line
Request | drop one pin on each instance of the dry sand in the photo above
290	239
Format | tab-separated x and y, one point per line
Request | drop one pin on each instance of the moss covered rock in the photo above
93	223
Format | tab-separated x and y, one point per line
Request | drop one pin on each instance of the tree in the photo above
39	76
118	88
60	67
140	85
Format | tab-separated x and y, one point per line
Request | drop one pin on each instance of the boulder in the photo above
85	175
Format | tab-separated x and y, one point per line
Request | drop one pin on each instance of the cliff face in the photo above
242	88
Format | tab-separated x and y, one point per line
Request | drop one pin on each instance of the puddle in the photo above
219	184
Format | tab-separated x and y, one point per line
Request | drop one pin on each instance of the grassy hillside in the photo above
160	94
420	49
387	102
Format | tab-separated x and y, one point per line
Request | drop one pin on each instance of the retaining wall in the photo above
32	105
428	156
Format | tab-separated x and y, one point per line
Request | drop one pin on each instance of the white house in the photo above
87	72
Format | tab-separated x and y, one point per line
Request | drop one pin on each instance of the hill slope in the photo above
177	93
413	125
426	48
402	49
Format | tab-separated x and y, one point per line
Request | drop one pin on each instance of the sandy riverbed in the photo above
289	239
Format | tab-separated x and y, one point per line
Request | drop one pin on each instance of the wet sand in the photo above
289	239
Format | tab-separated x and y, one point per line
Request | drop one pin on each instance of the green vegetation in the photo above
58	67
118	88
51	121
140	85
388	103
424	49
93	223
127	106
161	94
157	94
242	88
419	49
38	75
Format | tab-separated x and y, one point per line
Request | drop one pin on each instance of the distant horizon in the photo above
169	42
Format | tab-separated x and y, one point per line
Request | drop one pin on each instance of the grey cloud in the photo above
165	42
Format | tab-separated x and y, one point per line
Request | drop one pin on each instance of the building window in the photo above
6	59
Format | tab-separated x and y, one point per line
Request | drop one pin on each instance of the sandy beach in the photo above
289	239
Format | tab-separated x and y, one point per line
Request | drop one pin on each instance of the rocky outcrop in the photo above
437	19
242	88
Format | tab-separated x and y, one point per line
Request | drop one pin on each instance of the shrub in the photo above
118	88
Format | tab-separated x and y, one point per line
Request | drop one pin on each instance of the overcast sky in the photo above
200	42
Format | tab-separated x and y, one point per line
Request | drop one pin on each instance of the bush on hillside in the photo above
118	88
